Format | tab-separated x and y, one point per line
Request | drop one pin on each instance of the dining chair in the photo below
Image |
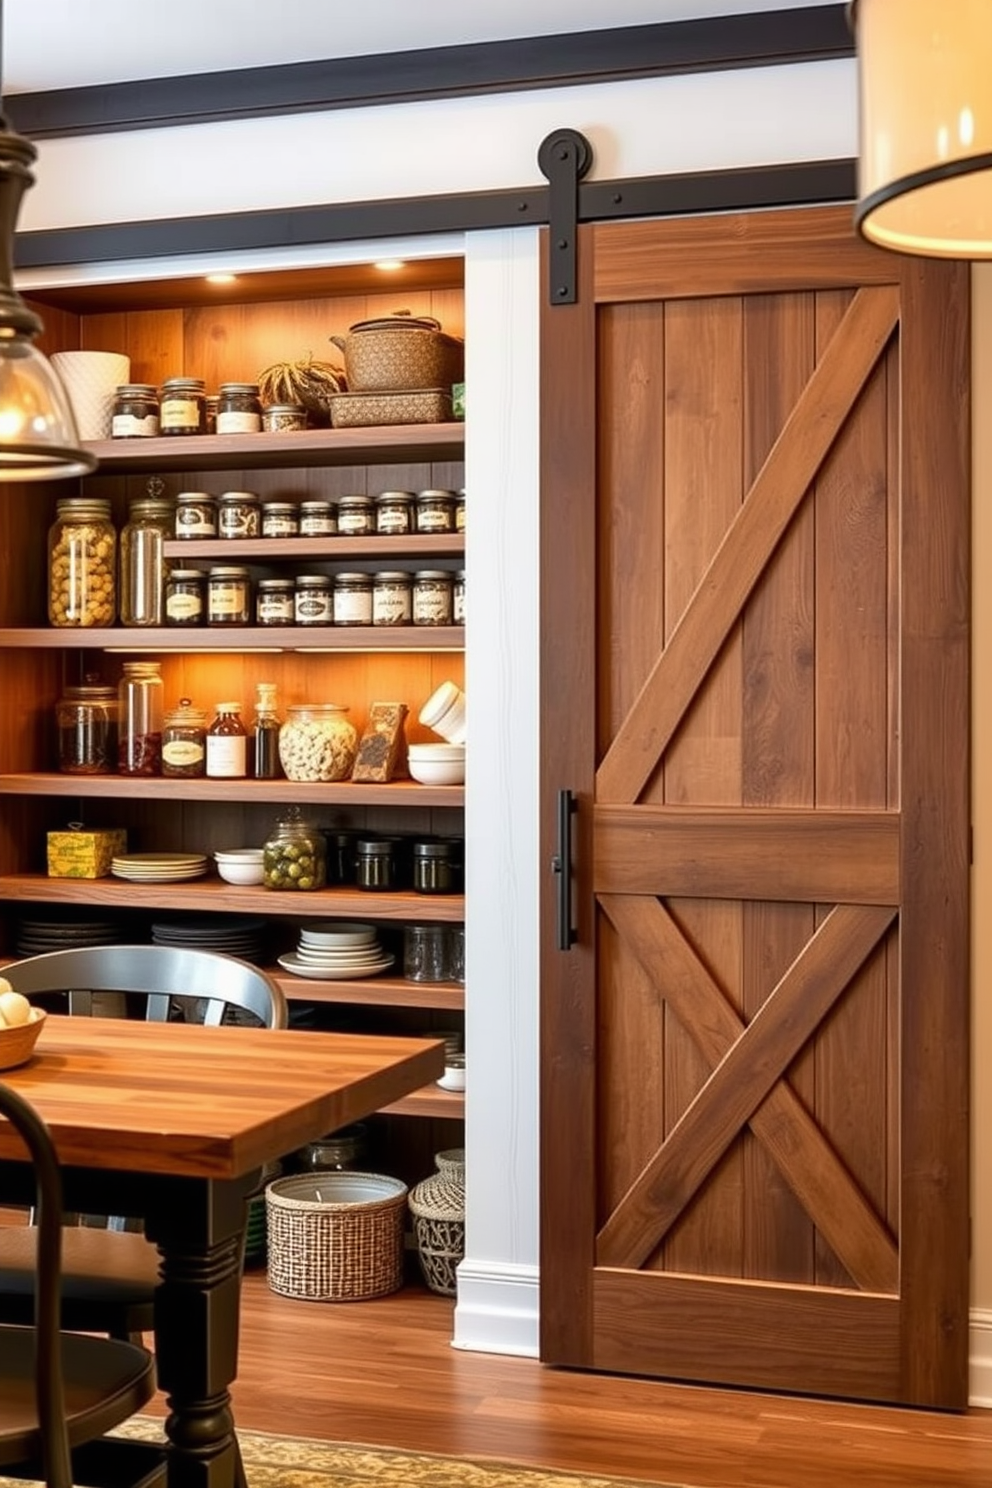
109	1273
60	1392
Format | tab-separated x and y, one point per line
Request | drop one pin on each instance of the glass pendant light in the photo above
38	437
925	159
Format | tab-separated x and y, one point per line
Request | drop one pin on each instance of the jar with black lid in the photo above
435	511
228	596
318	519
239	408
340	842
86	724
280	519
432	597
239	514
353	599
183	406
135	414
394	513
375	864
436	866
196	515
185	589
314	603
356	517
275	602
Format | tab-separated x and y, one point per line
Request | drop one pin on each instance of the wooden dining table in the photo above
172	1123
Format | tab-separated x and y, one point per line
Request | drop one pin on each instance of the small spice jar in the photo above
275	602
314	600
228	596
135	414
375	863
460	511
433	600
435	511
394	513
436	863
185	590
318	519
86	724
184	741
280	519
392	598
182	407
356	516
239	514
239	408
284	418
210	413
196	515
353	599
458	598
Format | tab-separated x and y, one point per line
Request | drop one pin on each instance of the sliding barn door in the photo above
754	735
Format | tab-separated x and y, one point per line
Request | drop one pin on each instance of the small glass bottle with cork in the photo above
264	748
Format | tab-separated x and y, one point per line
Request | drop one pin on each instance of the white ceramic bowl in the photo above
244	867
444	712
437	752
337	934
437	771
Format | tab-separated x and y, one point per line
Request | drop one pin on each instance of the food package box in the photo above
84	852
380	748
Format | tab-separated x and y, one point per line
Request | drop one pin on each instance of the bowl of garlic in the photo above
20	1025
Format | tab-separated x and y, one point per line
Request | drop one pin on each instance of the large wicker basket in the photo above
335	1237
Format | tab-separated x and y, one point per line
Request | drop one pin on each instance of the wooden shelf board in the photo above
241	638
379	991
208	895
326	549
384	444
282	792
430	1101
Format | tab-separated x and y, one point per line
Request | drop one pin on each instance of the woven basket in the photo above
438	1208
335	1237
355	410
400	352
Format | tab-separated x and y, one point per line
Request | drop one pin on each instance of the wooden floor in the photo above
385	1373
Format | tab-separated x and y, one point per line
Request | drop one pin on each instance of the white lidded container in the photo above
444	712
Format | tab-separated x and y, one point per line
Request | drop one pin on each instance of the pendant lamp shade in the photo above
925	159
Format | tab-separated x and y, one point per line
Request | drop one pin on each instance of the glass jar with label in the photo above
135	413
435	511
239	514
317	742
392	598
228	596
143	568
227	744
356	516
196	514
182	406
210	413
353	599
139	728
275	602
432	597
314	600
86	725
458	598
318	519
394	513
82	563
460	511
239	408
184	597
284	418
280	519
184	743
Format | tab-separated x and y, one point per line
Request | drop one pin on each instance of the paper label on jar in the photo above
182	753
352	609
312	609
127	426
227	599
180	413
183	607
239	423
226	755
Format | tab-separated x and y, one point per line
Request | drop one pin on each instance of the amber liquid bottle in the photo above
227	740
264	752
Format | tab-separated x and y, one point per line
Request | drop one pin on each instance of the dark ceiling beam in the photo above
760	39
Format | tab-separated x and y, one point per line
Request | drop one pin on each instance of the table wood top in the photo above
207	1102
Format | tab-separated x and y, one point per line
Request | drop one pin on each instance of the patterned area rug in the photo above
292	1462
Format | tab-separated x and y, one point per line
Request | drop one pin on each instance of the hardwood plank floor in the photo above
385	1373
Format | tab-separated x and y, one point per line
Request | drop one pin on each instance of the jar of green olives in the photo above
294	855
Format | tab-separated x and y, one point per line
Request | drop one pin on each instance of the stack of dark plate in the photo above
64	932
233	935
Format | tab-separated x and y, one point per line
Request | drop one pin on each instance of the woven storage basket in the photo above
438	1208
335	1236
355	410
400	352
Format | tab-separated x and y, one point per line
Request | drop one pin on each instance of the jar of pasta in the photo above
317	742
82	563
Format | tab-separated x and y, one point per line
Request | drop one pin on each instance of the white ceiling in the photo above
74	43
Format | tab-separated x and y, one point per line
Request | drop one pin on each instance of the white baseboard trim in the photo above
980	1358
497	1311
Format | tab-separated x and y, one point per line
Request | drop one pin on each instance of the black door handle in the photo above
561	864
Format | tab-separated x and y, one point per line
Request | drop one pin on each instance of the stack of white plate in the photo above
336	951
159	867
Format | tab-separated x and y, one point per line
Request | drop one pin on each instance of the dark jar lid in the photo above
435	849
375	847
275	586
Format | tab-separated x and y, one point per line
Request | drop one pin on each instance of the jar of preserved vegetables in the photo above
182	407
143	569
86	724
82	563
293	854
184	741
139	697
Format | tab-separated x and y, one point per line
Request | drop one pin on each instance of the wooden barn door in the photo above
755	569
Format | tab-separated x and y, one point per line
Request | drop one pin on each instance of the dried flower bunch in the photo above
308	382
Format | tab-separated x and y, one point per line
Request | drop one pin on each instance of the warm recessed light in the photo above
390	265
221	278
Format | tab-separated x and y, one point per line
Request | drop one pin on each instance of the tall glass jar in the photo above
143	567
140	724
86	724
294	856
82	563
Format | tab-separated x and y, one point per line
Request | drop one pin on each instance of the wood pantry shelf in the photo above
418	546
430	1101
281	792
382	444
250	638
212	895
377	991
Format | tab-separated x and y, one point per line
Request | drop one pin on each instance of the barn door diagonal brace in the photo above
564	157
